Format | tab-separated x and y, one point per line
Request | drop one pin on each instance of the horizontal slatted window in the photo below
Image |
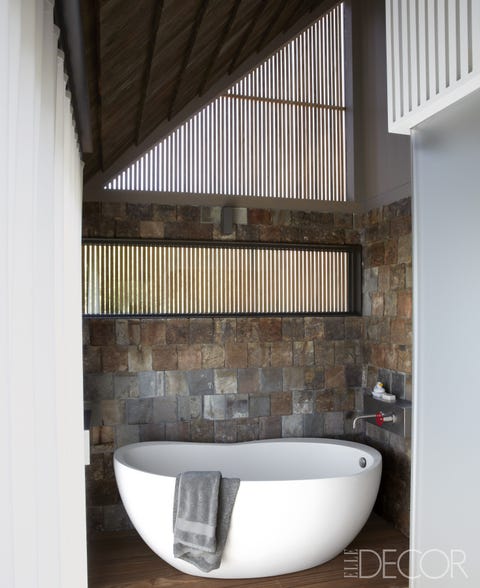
279	132
165	278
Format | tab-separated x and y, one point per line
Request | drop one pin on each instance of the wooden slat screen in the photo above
279	132
165	278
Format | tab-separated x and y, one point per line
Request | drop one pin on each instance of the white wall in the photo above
446	458
382	160
42	486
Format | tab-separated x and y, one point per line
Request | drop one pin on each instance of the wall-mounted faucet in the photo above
380	417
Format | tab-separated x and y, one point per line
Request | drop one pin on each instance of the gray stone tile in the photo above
126	434
271	379
98	386
125	386
116	518
236	406
270	427
313	425
139	411
214	406
259	406
176	383
225	381
189	407
200	382
292	425
385	376
302	401
164	409
248	380
334	423
111	412
247	431
293	378
177	431
202	431
152	432
151	384
225	432
353	375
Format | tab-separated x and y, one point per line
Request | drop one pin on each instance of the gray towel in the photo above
202	510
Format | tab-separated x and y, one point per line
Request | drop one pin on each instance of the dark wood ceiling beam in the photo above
220	44
186	57
292	14
98	84
271	25
248	32
148	66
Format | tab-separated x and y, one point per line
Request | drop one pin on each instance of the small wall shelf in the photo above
401	408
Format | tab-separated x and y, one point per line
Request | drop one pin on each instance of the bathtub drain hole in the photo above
363	462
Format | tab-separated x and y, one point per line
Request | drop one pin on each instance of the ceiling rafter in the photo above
186	57
271	25
98	75
220	44
148	66
248	32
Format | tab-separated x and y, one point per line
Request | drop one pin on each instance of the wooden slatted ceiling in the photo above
148	59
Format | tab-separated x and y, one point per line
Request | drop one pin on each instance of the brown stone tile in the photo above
334	328
189	357
164	212
201	330
343	219
314	327
112	412
405	248
303	353
248	380
139	358
315	378
187	213
152	331
177	331
348	352
213	356
391	251
127	332
114	359
270	329
374	254
401	226
139	211
259	216
384	278
391	357
401	331
247	430
390	308
354	327
92	360
225	431
344	400
397	277
127	229
281	403
325	401
202	431
335	377
377	303
236	355
224	329
281	354
270	427
271	234
188	230
102	332
378	329
324	353
177	431
293	378
150	229
258	354
164	357
404	358
293	329
115	210
404	304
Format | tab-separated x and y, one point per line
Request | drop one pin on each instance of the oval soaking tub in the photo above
300	501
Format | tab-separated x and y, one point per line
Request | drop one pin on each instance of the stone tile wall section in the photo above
239	379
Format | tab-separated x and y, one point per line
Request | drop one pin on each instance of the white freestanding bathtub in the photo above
300	501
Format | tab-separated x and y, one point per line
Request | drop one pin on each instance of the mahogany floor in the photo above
122	560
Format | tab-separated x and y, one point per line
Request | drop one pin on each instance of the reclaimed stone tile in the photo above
248	233
303	353
271	380
281	354
325	401
188	230
401	226
201	330
225	381
292	425
259	406
164	357
125	386
202	431
102	332
214	406
377	303
391	357
139	211
236	355
404	304
248	380
115	210
176	383
334	423
293	328
189	407
213	356
236	406
391	251
187	213
302	401
293	378
224	329
343	219
115	518
127	332
334	328
177	331
408	276
139	411
404	358
177	431
152	432
139	358
378	329
384	278
374	254
248	431
405	249
225	432
189	357
354	327
397	277
270	329
114	359
370	279
164	212
390	308
152	331
164	410
324	353
200	382
335	376
97	386
151	384
126	434
258	354
152	229
281	217
344	400
281	403
315	378
259	216
270	427
353	375
127	229
314	327
313	425
347	352
401	331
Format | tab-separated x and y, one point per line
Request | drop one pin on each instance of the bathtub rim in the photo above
376	456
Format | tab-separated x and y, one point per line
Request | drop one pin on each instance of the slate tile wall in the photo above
240	379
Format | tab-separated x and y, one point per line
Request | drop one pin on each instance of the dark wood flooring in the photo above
122	560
